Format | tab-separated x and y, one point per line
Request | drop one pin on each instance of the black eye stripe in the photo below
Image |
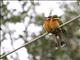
49	16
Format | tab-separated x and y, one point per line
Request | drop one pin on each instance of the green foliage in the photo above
45	47
4	58
78	2
39	19
15	19
78	34
70	11
36	47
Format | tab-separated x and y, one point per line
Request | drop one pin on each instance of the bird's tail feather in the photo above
58	35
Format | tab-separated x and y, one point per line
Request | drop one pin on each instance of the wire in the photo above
69	21
25	44
39	37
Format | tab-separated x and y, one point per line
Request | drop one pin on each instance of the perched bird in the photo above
54	23
46	24
51	25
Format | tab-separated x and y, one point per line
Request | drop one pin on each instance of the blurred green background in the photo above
42	49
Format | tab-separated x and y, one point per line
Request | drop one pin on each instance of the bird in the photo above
51	25
46	24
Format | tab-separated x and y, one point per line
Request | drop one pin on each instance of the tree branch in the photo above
40	36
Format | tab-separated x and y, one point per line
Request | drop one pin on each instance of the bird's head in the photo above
49	18
55	16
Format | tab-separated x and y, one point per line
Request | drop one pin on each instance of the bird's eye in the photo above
49	16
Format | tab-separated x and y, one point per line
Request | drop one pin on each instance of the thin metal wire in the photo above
69	21
40	37
25	44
